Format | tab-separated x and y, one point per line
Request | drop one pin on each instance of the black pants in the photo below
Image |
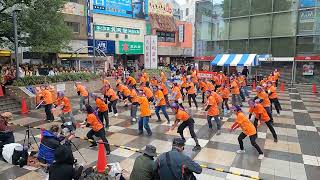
217	87
269	113
252	140
277	82
150	99
203	93
188	123
269	124
193	96
277	105
225	103
183	95
113	106
6	138
103	116
180	104
100	134
49	115
167	100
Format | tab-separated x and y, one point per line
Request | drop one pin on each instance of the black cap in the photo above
178	142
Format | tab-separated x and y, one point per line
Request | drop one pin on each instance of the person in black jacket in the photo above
63	166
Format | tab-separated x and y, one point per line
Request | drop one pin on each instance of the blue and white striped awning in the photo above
235	60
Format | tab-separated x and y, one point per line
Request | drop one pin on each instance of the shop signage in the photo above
307	3
128	47
113	29
74	9
206	74
160	7
308	69
106	46
203	58
181	33
125	8
307	58
151	52
88	19
113	7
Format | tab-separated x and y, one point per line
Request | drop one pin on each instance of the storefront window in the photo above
283	47
284	5
238	46
306	22
259	46
239	28
284	24
261	6
260	26
220	30
166	36
240	8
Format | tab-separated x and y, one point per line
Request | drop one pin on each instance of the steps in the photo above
8	104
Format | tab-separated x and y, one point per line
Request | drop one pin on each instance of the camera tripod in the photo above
27	137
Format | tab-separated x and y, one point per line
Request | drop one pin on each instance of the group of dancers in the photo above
155	94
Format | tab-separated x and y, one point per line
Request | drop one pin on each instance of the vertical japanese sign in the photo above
181	33
147	47
154	52
88	19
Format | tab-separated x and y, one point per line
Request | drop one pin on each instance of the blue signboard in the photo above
307	3
88	19
113	7
140	9
108	47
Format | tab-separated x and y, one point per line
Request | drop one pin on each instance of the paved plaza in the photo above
295	156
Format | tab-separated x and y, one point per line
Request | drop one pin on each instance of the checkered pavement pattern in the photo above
295	156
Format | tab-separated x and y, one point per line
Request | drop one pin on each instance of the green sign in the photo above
113	29
127	47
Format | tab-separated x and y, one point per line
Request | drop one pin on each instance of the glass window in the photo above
225	5
284	5
205	31
283	47
259	46
284	24
220	30
74	26
240	7
238	46
239	28
217	47
306	22
260	26
166	36
187	11
307	45
261	6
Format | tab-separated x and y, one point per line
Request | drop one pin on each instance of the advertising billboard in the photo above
106	46
129	47
124	8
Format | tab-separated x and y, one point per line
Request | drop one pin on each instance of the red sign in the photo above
307	58
206	74
204	58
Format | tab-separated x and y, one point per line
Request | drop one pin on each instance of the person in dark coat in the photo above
143	165
174	165
63	166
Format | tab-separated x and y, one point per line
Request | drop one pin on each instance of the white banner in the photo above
154	52
147	55
181	33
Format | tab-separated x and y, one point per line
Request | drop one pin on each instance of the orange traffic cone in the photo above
254	86
1	92
314	88
102	159
282	87
24	108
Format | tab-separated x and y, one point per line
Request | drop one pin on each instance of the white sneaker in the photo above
261	156
240	151
278	115
218	132
116	114
134	119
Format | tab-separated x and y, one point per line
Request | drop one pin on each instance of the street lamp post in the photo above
16	40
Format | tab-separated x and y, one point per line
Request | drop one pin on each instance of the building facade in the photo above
282	28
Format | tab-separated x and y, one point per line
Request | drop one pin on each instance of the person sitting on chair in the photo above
50	141
6	132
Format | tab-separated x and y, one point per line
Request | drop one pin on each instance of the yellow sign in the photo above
160	7
5	53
